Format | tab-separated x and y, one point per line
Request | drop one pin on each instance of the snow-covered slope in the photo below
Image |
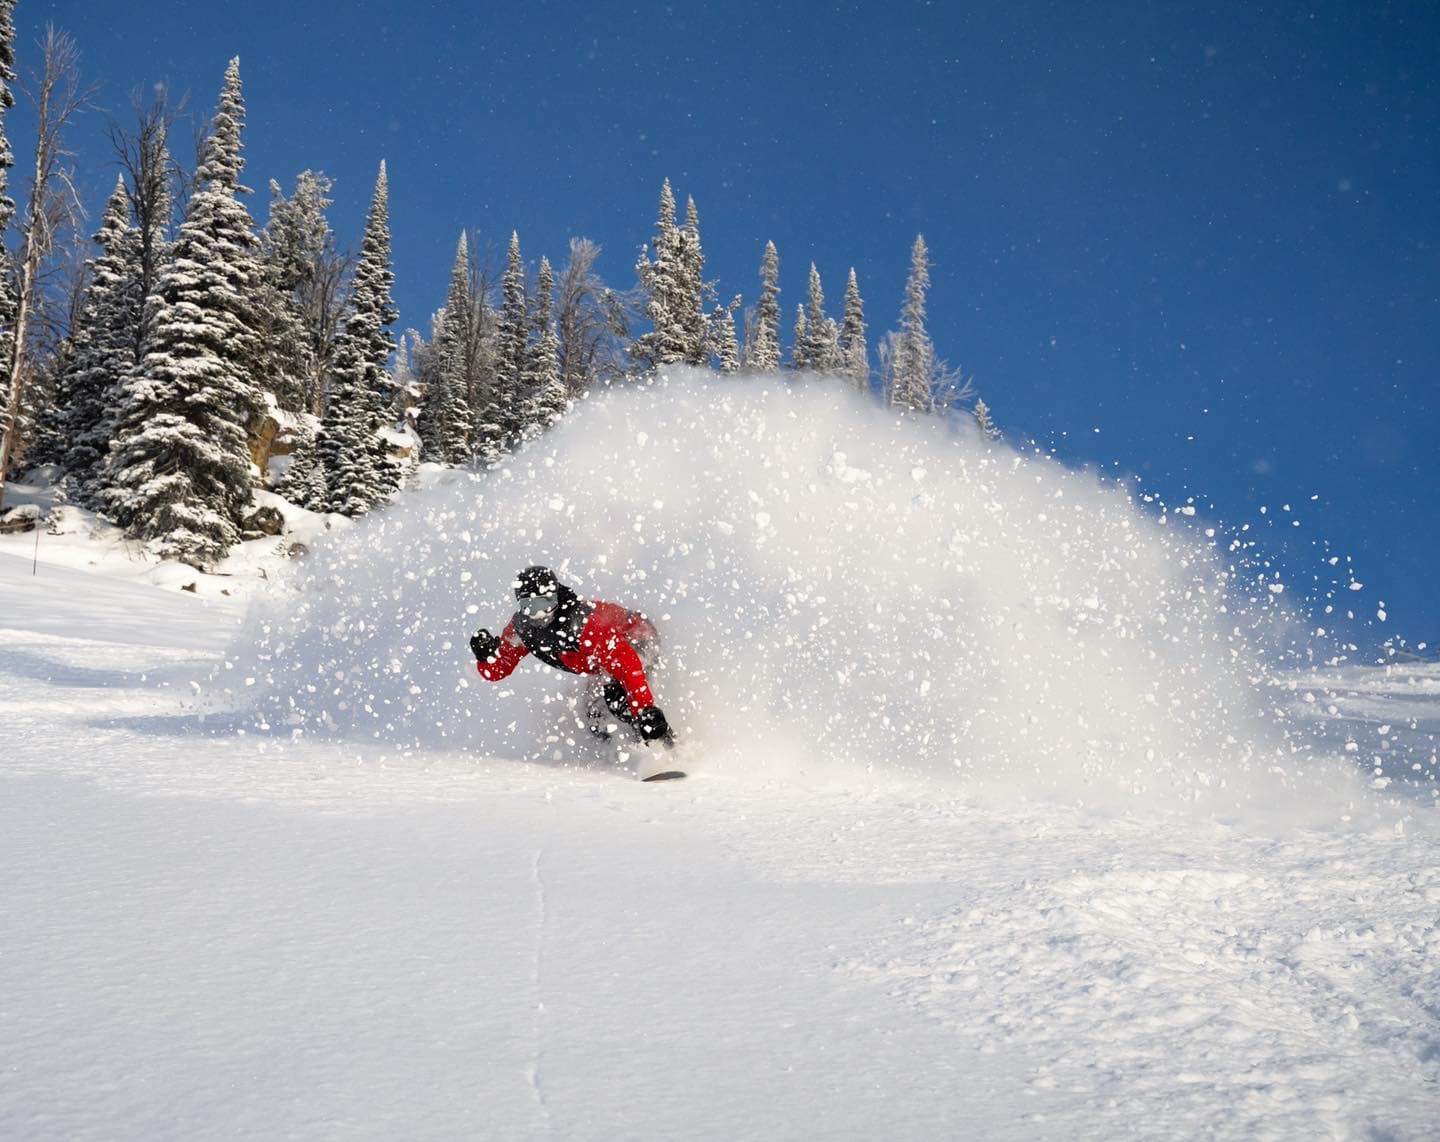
212	934
973	850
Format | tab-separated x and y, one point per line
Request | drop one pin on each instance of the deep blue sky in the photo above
1195	242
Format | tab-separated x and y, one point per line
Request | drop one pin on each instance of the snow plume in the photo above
840	589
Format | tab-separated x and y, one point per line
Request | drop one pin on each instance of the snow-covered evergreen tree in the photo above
546	399
727	346
444	424
285	365
762	349
302	310
479	331
692	291
179	468
822	348
359	473
663	281
797	341
984	422
854	359
80	422
304	479
913	363
512	354
675	291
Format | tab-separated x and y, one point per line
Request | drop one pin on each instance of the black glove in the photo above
651	724
485	645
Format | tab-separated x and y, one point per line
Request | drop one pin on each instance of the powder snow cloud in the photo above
840	590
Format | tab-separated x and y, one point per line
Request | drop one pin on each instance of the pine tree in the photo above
285	363
512	354
854	360
815	334
546	399
802	346
913	366
822	333
359	473
81	419
692	291
445	417
479	339
727	347
663	281
304	479
986	425
302	275
179	469
763	348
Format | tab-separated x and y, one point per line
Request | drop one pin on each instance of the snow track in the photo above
535	1071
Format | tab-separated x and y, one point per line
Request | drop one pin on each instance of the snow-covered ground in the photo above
289	915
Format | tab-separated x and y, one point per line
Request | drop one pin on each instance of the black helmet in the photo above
535	581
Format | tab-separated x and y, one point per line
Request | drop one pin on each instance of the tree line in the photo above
142	372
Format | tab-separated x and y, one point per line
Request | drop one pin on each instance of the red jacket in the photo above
606	644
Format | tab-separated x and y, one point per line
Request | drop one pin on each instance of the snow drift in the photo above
840	589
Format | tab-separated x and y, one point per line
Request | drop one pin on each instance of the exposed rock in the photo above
275	432
23	518
262	521
398	445
297	551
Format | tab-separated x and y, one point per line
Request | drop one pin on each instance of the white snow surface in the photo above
241	917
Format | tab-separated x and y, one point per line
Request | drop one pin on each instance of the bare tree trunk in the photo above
154	176
322	307
53	205
590	321
477	353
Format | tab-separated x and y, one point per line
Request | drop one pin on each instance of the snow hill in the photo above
1000	826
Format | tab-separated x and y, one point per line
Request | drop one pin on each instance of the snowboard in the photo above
658	765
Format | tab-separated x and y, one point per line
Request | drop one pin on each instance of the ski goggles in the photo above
539	608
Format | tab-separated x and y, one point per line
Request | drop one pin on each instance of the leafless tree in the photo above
153	177
52	347
479	348
53	206
591	321
322	308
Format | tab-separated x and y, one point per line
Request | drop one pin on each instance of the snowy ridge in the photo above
841	591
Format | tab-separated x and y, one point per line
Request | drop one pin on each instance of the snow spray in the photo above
842	590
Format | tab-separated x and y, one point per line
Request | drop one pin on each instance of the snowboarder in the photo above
603	640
